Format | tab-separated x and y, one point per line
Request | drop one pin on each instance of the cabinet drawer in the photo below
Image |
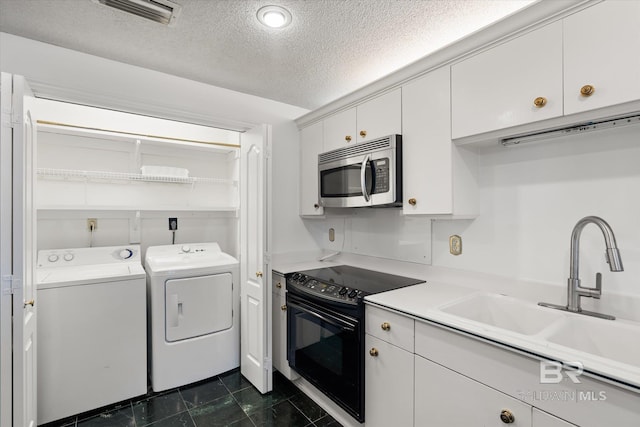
391	327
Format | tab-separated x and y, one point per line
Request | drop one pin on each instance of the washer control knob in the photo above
68	256
126	253
53	258
186	249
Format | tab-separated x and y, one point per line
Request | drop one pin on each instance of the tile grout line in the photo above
188	410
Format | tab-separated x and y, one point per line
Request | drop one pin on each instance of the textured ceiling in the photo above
331	48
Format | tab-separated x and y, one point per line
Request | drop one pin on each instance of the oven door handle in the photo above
324	317
363	177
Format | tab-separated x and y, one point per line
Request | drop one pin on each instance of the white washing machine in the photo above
194	310
91	329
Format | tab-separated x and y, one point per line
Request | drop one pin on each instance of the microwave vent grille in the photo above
353	150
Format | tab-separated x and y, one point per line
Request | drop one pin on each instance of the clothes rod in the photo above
166	138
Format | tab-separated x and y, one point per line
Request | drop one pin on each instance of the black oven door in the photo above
325	347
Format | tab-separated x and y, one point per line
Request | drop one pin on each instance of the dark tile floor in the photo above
225	400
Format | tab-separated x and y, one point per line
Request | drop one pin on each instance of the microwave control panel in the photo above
381	168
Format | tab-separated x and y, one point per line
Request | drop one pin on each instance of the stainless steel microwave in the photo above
361	175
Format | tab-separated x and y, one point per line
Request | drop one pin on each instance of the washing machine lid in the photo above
194	256
48	277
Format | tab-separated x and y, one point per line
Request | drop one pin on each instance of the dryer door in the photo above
196	306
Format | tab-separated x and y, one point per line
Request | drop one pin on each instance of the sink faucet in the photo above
574	290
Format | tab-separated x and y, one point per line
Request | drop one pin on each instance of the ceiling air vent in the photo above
162	11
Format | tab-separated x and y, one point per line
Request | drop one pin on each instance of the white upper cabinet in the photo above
378	117
310	146
339	130
438	177
601	46
514	83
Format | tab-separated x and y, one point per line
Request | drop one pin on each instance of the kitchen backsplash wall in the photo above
532	196
382	233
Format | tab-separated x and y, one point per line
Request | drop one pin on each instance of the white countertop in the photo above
445	286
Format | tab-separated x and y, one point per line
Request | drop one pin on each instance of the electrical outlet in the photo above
455	244
173	224
92	224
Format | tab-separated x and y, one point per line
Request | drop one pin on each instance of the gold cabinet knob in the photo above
347	138
412	201
386	326
283	307
30	302
540	102
278	285
373	352
258	273
363	133
587	90
506	416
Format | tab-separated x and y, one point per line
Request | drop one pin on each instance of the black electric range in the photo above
325	328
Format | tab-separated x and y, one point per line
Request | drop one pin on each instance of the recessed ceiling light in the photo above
274	16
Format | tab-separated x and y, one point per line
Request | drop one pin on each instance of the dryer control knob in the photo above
53	258
68	256
186	249
126	253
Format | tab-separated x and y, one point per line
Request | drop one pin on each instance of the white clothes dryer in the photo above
92	329
194	310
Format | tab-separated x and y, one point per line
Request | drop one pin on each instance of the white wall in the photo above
63	74
532	196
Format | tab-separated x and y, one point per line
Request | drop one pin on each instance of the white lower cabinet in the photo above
542	419
279	326
445	398
388	384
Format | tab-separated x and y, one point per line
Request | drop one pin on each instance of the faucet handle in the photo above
598	289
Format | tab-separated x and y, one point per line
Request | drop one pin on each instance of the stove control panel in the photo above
325	290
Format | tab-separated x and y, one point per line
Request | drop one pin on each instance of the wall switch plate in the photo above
92	224
455	244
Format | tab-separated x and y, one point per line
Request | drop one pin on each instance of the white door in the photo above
18	263
255	295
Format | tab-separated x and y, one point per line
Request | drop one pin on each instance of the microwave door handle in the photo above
363	177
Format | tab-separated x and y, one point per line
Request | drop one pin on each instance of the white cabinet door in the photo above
496	89
340	130
380	116
255	304
601	46
446	398
542	419
279	312
310	146
426	145
388	384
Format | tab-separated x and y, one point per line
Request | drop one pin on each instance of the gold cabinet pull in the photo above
412	201
278	285
363	133
587	90
540	102
283	307
507	416
347	138
386	326
30	302
258	273
374	352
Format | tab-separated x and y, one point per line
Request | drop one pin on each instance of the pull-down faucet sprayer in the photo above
574	290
